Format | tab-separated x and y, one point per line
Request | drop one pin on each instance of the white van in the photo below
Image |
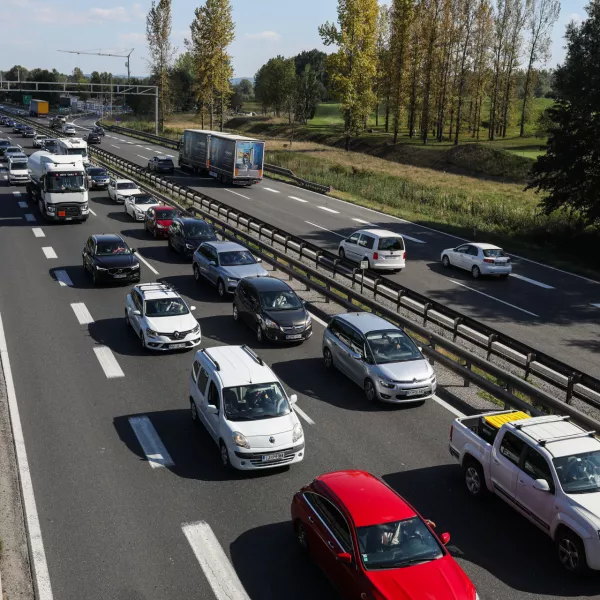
245	409
383	249
18	173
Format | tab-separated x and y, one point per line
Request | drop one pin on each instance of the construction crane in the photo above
118	54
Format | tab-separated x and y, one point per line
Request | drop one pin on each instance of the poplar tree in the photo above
161	51
353	67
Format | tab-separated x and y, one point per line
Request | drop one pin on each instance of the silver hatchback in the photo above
379	357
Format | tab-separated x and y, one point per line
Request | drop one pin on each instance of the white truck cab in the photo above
547	468
18	173
245	409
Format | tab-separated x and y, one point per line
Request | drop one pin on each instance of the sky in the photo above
264	28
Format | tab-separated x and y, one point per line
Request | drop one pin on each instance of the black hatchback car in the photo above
187	233
271	308
92	138
99	130
108	258
28	131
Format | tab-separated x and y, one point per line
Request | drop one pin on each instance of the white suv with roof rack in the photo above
245	409
161	318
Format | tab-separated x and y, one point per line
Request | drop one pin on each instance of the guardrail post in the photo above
431	359
317	257
336	262
466	382
302	246
458	321
375	284
399	301
491	339
571	381
529	359
425	311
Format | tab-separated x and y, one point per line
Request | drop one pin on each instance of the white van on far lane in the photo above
383	249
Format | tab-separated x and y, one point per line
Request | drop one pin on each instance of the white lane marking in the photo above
117	147
108	362
217	569
596	305
63	278
81	312
146	263
36	543
10	218
363	222
317	319
493	298
158	152
16	193
325	229
37	231
149	149
30	218
144	157
22	204
412	239
139	146
272	190
448	407
538	283
93	212
49	252
298	199
303	415
151	444
237	194
337	212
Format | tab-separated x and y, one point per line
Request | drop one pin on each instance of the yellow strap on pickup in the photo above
497	421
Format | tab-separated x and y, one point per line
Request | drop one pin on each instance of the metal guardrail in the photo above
571	383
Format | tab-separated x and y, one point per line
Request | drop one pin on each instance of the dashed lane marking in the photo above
298	199
108	362
533	281
63	278
272	190
336	212
151	444
117	147
237	194
29	218
325	229
22	204
81	312
49	252
38	232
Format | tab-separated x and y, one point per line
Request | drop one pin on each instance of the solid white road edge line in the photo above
237	193
146	263
37	231
533	281
448	407
298	410
108	362
151	444
325	229
49	252
317	319
63	278
29	218
336	212
81	312
493	298
41	576
298	199
217	569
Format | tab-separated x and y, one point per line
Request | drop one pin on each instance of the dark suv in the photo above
109	259
187	233
160	164
271	308
92	138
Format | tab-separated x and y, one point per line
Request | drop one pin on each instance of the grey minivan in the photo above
379	357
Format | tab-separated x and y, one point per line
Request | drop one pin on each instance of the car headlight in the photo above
387	384
85	207
98	268
270	323
308	320
50	209
240	440
298	432
233	279
189	247
151	332
136	266
196	329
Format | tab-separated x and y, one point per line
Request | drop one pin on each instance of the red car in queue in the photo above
372	544
158	219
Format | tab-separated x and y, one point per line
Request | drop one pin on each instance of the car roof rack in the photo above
147	287
253	354
212	360
554	419
562	438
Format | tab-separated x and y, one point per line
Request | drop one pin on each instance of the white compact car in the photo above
160	318
38	140
479	259
119	189
137	205
245	409
383	249
69	130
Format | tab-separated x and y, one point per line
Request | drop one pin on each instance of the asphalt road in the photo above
112	525
549	309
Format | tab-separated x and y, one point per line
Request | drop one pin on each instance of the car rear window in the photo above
494	252
165	160
392	244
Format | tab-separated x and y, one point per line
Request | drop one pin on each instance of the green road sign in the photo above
26	100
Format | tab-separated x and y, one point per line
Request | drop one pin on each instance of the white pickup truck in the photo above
547	468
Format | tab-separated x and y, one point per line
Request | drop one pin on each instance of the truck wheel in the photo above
571	551
475	479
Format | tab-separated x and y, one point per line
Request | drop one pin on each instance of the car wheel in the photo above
224	456
127	322
328	358
196	273
341	253
194	412
259	334
476	272
301	537
170	245
236	314
445	261
571	552
370	391
221	288
504	276
155	234
94	277
142	340
475	479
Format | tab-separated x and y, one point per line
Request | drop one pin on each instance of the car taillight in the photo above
375	256
488	260
404	257
451	431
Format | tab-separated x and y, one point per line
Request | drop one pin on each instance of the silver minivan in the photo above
379	357
383	249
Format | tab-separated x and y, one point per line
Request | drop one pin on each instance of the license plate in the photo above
272	457
296	336
174	346
69	219
62	213
120	275
418	392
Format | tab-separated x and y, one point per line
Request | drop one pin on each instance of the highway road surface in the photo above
113	526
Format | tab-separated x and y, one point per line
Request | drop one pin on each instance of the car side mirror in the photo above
445	538
344	557
293	398
192	308
258	259
541	485
420	348
133	250
212	263
211	409
356	355
137	313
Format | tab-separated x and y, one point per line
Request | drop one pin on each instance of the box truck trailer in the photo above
38	108
231	159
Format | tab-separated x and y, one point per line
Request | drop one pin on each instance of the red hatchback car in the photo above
372	544
158	220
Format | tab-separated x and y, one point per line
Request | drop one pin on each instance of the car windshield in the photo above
164	215
17	166
392	346
494	252
144	200
97	172
128	185
75	151
280	300
392	244
237	257
579	473
111	248
4	143
199	230
166	307
255	402
13	149
166	161
397	544
64	182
